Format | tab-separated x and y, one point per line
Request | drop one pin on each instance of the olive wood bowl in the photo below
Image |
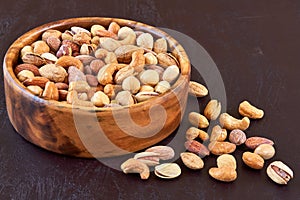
93	132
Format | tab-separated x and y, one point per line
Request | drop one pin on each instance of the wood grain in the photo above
71	130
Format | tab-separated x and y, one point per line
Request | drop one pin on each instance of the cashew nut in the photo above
108	57
105	74
248	110
230	123
135	166
126	36
138	60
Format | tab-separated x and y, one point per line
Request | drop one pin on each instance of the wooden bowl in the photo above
89	132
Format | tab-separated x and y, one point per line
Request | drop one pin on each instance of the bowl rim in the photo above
10	59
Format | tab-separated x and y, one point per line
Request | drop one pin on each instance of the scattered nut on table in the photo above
279	172
248	110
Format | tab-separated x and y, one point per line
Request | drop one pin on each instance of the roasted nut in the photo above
124	98
50	92
123	74
146	88
96	65
162	87
37	80
279	172
196	147
49	58
36	90
126	36
198	120
54	43
145	40
92	80
266	151
40	47
218	134
81	38
191	160
63	95
254	142
67	61
171	73
62	86
160	46
197	89
149	77
95	28
109	44
166	60
248	110
136	166
53	72
26	49
64	50
192	133
100	99
253	160
150	59
131	84
51	33
75	75
144	96
25	74
164	152
79	86
110	90
138	60
167	170
228	122
219	148
114	27
33	59
212	110
237	137
226	160
149	158
105	74
226	174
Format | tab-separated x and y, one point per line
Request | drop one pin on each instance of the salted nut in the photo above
191	160
279	172
228	122
212	109
149	158
136	166
248	110
164	152
197	89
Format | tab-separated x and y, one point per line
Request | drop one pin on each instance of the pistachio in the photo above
164	152
171	74
162	87
149	158
146	88
124	98
160	46
33	59
166	60
131	84
167	170
100	99
149	77
279	172
143	96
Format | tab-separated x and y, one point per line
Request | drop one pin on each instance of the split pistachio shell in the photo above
167	170
279	172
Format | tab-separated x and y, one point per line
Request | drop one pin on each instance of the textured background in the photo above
256	47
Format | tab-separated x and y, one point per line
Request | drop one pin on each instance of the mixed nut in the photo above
196	144
98	66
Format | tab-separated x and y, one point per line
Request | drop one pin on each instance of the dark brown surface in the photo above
256	48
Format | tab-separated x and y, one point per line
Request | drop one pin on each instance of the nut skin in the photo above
279	172
212	109
253	160
225	174
191	160
237	137
266	151
198	120
228	122
253	142
197	148
219	148
37	80
248	110
197	89
53	72
136	166
34	69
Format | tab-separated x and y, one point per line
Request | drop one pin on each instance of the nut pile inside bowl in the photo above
101	66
